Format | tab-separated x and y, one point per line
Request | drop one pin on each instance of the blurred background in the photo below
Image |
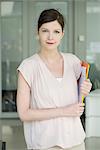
18	40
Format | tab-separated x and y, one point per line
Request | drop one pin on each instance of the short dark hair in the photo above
49	15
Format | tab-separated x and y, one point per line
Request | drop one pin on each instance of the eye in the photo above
44	30
56	31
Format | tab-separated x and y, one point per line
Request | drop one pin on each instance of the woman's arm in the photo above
28	114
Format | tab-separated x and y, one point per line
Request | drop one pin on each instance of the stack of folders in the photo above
84	75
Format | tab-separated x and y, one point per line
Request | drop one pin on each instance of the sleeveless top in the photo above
48	92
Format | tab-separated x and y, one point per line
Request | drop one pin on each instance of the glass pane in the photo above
11	8
93	41
11	51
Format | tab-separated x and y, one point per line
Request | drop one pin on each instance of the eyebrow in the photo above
48	29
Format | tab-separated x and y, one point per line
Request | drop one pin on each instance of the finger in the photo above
85	90
81	104
85	83
81	109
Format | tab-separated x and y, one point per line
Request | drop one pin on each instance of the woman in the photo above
47	98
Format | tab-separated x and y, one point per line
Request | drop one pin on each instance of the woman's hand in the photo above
74	110
86	87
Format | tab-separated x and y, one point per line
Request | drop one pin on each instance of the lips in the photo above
50	42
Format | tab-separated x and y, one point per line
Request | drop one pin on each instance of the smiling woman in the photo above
50	34
49	109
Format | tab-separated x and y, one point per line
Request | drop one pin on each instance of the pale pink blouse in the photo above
48	92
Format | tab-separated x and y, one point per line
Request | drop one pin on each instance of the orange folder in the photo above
84	75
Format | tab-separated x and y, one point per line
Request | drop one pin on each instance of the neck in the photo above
49	54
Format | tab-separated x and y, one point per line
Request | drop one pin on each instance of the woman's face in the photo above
50	35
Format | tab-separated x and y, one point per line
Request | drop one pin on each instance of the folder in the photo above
84	75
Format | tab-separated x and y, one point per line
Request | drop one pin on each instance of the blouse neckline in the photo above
48	70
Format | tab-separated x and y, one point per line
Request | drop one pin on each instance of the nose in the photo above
50	36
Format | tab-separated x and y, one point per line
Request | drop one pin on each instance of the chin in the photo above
51	47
